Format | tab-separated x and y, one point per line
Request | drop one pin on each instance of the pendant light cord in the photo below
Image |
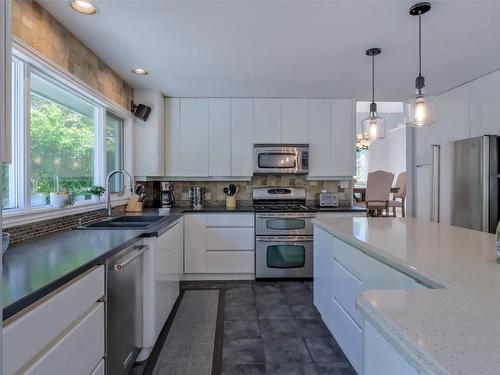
373	79
419	44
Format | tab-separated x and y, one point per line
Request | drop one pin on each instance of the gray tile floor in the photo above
274	328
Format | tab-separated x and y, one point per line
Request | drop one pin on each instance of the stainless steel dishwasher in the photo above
124	308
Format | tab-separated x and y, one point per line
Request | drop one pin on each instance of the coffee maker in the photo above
167	198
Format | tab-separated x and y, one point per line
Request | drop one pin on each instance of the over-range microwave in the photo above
281	159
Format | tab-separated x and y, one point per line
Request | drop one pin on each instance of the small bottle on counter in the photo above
498	242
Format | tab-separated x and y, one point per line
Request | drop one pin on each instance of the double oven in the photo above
283	239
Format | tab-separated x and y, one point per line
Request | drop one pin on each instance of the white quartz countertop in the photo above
453	329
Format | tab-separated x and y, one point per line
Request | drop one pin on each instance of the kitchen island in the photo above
426	295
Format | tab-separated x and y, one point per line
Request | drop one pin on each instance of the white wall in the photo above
389	153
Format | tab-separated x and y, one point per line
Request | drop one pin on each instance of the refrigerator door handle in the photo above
435	183
486	186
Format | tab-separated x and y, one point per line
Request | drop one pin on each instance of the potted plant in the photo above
81	194
59	199
97	192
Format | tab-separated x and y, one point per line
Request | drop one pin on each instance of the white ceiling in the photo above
288	48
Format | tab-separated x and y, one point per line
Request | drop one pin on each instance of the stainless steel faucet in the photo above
111	174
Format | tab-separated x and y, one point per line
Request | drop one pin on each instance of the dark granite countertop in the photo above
36	267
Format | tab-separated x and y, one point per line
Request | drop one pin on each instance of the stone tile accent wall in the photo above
215	196
40	228
40	30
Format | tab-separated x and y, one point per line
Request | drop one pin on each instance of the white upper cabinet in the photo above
219	137
149	135
242	137
194	137
343	138
331	138
172	136
267	120
485	105
319	137
294	121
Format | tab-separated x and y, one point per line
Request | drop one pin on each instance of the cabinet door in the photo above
66	355
195	240
166	273
323	294
319	137
485	105
172	137
294	121
343	140
149	151
194	137
267	121
219	132
241	137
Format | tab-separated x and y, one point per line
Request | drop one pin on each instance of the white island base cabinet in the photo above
341	274
381	358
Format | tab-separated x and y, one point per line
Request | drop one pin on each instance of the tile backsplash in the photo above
214	195
40	228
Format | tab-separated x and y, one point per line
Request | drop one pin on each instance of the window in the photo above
361	167
66	140
62	141
114	150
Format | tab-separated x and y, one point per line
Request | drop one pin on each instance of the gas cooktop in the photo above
282	207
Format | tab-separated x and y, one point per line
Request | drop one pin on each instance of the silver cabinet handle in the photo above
122	265
284	239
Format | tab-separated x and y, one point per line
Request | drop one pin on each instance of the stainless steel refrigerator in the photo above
464	183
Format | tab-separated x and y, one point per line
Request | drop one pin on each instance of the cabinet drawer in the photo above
27	333
348	335
78	351
372	273
346	288
230	238
100	368
230	220
230	262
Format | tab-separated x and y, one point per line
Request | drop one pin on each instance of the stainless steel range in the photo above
283	233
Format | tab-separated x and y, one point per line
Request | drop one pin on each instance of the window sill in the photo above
26	216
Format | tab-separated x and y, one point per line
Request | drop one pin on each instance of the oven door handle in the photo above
286	216
284	239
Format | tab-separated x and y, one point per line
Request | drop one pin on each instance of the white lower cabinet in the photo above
219	243
230	262
38	337
163	269
341	274
78	351
381	358
195	243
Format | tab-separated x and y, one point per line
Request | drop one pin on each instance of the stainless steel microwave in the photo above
281	159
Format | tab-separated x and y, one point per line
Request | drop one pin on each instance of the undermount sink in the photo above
124	222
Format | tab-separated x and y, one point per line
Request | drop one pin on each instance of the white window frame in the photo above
34	61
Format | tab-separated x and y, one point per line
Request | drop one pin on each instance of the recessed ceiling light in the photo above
83	6
140	72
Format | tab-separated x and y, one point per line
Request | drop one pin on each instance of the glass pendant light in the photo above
373	127
418	107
